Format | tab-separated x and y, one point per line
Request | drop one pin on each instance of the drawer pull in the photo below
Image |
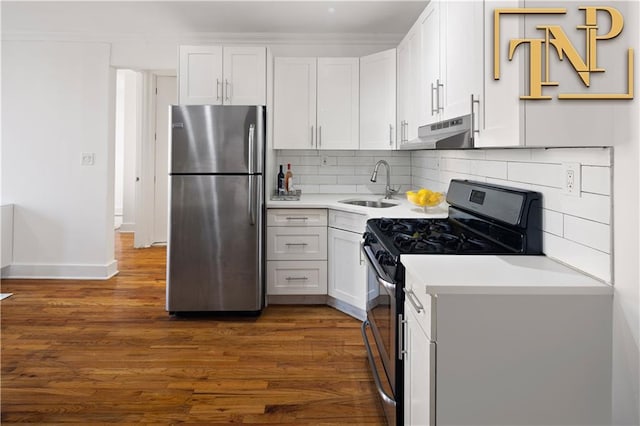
296	278
297	218
411	297
296	244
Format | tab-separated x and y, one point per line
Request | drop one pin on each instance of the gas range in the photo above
483	219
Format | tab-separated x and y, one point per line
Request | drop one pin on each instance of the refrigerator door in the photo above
216	139
215	243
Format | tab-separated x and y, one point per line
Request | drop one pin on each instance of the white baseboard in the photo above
128	227
61	271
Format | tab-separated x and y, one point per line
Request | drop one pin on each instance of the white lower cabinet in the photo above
347	269
296	252
505	359
419	373
297	277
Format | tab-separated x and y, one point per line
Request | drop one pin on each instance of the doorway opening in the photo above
141	154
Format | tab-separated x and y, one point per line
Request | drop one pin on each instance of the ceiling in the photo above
166	18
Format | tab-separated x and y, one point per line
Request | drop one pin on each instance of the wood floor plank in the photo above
107	352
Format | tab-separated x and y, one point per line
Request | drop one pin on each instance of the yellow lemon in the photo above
423	199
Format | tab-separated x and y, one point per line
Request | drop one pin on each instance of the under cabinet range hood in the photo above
454	133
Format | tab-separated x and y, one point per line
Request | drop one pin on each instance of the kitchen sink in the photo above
368	203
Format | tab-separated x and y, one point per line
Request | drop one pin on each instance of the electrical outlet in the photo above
571	178
88	159
324	160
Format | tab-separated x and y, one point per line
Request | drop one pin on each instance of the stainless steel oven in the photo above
385	305
483	219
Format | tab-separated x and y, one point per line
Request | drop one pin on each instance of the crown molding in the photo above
190	38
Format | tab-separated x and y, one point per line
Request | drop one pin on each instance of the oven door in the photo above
382	320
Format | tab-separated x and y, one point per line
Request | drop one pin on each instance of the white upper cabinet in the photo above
378	100
337	103
409	72
501	110
429	104
316	103
461	56
451	43
294	103
244	71
216	75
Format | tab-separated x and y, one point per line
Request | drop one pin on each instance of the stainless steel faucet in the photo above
388	190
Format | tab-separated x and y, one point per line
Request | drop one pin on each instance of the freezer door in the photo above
217	139
214	253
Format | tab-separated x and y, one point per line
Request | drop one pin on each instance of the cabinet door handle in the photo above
226	89
434	89
319	136
296	244
390	135
296	218
296	278
473	117
312	136
439	85
217	89
411	297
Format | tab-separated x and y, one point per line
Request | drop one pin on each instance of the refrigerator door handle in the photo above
252	128
252	201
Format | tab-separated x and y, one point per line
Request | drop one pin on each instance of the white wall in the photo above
58	102
626	241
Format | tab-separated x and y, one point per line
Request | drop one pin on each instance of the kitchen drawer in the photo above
351	222
296	277
296	243
422	304
296	217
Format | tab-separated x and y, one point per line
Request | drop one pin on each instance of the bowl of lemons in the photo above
425	198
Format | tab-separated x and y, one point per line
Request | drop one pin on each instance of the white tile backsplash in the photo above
344	172
596	179
577	230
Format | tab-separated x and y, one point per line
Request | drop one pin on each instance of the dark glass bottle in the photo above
280	181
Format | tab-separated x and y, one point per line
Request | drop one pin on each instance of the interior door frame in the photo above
145	158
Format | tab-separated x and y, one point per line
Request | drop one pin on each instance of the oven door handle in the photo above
379	272
376	377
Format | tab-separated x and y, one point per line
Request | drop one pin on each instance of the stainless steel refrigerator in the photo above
216	209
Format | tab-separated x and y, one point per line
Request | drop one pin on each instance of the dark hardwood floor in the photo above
107	352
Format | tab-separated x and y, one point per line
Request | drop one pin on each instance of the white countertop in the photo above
404	208
499	275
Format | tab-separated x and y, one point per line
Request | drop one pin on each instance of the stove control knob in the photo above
368	238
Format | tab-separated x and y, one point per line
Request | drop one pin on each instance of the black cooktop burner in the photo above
430	236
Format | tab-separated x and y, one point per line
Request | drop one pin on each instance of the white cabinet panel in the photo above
294	103
217	75
419	373
296	217
200	75
337	103
316	103
347	270
296	277
245	75
297	243
429	103
351	222
378	100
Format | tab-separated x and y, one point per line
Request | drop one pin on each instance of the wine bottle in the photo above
280	182
288	179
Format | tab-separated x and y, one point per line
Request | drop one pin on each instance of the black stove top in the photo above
430	236
483	219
